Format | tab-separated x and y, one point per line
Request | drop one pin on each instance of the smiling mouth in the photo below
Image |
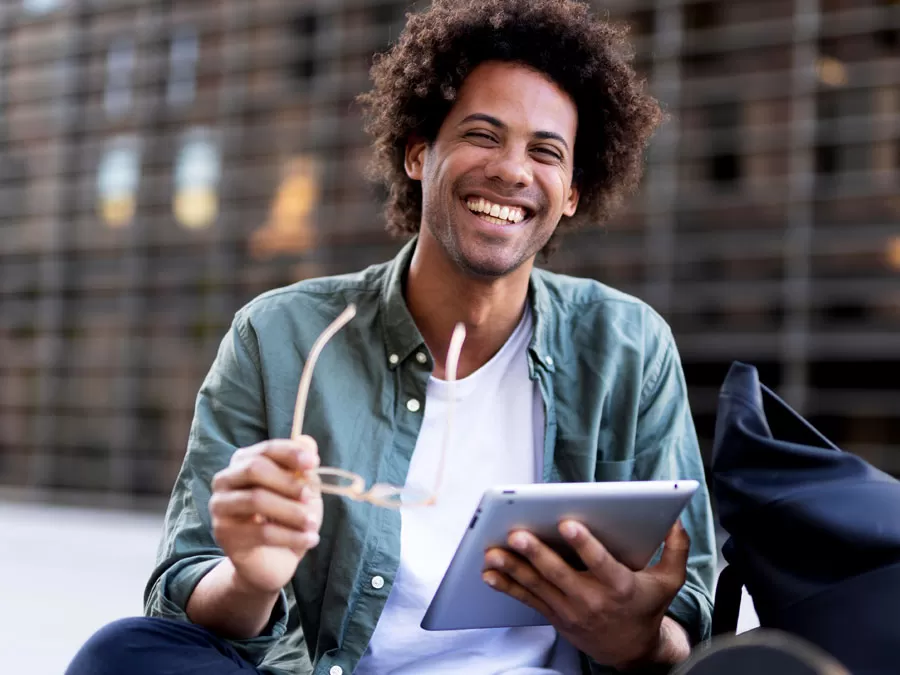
497	214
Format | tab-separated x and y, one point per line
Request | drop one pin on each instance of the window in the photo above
827	162
888	38
699	57
119	72
834	154
704	15
724	166
642	22
118	175
387	19
290	227
197	172
183	56
304	28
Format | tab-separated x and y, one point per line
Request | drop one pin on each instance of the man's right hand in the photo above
264	515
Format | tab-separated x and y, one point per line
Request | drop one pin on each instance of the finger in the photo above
548	563
301	454
504	584
258	471
526	575
676	550
599	561
249	534
270	506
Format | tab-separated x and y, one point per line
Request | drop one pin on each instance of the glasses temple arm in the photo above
306	377
450	368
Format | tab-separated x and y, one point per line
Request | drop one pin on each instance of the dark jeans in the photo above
144	646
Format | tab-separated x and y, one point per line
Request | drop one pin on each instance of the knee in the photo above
111	648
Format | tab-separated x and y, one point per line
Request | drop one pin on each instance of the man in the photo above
495	123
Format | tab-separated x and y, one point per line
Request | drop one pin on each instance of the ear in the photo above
414	161
571	201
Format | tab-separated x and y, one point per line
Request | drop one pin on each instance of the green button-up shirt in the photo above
615	408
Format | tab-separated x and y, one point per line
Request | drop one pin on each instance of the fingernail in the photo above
494	560
569	531
489	580
519	541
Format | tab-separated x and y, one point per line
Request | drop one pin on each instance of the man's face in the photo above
498	177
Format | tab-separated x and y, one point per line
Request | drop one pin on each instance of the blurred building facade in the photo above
162	163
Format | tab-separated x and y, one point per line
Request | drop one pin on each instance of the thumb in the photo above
674	558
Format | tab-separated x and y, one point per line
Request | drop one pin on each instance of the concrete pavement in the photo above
65	572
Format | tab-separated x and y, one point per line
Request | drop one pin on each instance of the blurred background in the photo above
162	163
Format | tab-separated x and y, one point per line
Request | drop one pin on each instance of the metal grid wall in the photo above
161	163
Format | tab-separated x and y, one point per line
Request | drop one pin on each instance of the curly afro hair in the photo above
417	80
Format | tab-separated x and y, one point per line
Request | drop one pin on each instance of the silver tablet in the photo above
630	518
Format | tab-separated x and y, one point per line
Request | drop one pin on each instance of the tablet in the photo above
630	518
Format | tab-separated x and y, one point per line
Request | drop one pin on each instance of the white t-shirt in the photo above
497	438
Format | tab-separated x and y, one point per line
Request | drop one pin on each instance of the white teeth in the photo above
502	214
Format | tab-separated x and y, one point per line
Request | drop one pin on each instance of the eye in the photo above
549	152
480	134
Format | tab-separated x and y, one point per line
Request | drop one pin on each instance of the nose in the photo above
510	166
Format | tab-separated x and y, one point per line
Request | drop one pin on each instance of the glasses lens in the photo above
339	481
396	497
335	480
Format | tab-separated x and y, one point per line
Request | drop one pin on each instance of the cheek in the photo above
462	163
556	188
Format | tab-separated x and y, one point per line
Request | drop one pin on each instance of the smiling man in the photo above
497	124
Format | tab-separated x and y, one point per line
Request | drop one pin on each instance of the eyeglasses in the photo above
351	485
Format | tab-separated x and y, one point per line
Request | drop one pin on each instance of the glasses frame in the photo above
384	495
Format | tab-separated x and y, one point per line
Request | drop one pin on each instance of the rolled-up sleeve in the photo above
229	414
668	450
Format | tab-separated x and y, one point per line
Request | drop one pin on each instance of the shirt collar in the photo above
544	320
402	336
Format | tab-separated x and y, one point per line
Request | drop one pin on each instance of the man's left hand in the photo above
609	612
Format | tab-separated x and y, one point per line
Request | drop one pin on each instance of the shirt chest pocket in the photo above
621	470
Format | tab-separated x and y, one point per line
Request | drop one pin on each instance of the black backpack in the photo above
814	532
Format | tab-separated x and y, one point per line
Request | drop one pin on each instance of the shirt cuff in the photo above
692	610
169	597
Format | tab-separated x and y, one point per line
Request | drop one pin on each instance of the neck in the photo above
439	294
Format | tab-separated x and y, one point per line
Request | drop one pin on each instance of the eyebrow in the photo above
493	121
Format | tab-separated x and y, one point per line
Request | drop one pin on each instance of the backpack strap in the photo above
728	601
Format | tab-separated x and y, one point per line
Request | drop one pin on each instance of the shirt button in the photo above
549	360
413	405
394	359
420	357
378	582
336	670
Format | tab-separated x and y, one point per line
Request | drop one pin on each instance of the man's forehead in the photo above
515	95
